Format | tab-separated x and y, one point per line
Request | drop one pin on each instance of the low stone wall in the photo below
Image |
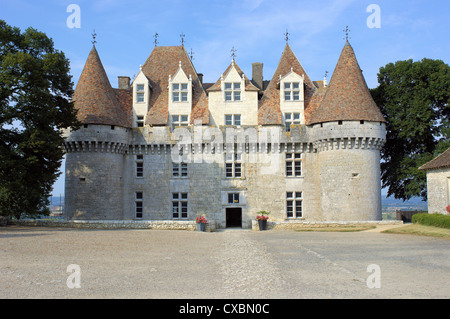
191	225
111	224
298	224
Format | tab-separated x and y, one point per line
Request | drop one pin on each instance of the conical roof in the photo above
347	97
269	106
94	98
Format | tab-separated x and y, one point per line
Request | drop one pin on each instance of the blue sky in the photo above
255	28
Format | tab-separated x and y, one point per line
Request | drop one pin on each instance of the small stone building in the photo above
438	182
165	146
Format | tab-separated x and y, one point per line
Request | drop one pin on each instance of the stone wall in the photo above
438	190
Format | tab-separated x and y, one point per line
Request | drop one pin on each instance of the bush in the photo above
437	220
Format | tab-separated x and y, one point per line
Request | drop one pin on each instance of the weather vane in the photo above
233	53
347	30
94	35
326	74
182	35
156	39
191	55
286	36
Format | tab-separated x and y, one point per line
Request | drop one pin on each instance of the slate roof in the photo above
440	161
96	101
162	62
347	96
269	105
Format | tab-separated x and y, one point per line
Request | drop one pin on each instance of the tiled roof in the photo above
248	84
162	62
347	96
440	161
94	98
269	106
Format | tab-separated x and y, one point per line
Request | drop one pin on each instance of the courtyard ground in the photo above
233	263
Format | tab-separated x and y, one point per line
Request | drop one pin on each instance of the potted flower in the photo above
201	222
262	219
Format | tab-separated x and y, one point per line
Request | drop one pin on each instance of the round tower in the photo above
96	152
349	131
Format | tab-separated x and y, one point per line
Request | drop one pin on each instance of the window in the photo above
232	91
179	120
139	204
140	165
294	204
233	119
290	119
179	170
140	121
179	92
292	91
140	93
233	198
233	165
179	205
294	164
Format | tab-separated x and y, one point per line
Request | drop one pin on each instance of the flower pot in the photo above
200	227
262	224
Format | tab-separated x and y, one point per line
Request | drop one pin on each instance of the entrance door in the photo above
234	217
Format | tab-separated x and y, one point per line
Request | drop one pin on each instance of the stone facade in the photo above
230	166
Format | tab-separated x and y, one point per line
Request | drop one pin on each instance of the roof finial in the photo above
156	39
233	53
94	35
182	35
347	30
325	79
286	36
191	55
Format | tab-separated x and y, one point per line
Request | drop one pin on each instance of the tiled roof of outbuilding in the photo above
347	96
162	62
94	98
440	161
269	106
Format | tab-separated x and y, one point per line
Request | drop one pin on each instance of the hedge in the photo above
437	220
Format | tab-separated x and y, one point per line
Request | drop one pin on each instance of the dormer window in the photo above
179	92
292	91
140	93
232	91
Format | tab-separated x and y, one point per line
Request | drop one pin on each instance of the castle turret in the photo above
349	131
95	152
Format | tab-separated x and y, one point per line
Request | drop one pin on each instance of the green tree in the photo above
414	99
35	105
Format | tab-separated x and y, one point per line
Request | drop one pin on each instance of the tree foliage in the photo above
35	93
414	99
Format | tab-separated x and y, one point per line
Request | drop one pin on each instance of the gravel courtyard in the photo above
233	263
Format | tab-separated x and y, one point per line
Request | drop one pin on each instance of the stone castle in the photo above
165	146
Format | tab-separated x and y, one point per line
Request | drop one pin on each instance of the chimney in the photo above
200	77
124	82
257	74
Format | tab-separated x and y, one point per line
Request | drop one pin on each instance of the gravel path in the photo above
224	264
